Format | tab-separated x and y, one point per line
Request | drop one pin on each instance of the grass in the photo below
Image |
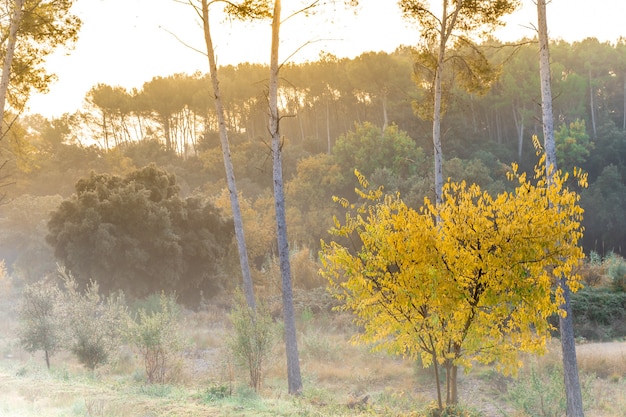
340	379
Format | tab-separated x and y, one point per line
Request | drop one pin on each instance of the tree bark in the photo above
566	325
16	19
228	164
294	379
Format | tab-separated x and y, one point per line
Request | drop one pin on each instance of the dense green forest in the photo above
338	114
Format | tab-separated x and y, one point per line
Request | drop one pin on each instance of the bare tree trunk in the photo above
447	23
566	325
519	127
593	108
624	119
228	164
328	141
498	127
8	60
294	379
454	392
385	114
437	379
167	130
438	153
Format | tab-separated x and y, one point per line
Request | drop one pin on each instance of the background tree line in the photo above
339	114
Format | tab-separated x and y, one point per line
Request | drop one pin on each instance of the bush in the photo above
616	269
216	392
540	392
94	323
155	333
253	338
599	314
40	321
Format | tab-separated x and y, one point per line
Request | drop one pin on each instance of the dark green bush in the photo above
599	314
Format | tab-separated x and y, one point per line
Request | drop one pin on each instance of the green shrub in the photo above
253	338
454	410
94	324
156	390
540	392
41	327
216	392
317	345
615	267
155	334
599	314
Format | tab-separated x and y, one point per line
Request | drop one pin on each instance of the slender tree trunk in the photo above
624	119
438	153
473	109
447	23
437	379
519	127
498	126
566	325
294	379
546	89
228	163
167	131
448	382
328	144
454	393
16	19
47	358
593	107
385	114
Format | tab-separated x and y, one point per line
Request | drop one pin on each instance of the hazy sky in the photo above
128	42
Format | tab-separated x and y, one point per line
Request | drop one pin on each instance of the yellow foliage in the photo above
470	280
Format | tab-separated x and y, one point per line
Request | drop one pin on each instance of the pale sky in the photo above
128	42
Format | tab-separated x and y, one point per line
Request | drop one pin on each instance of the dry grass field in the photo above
340	379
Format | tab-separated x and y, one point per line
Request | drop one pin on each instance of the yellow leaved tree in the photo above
476	285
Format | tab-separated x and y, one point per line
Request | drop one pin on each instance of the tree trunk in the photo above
328	140
624	119
570	364
447	23
8	60
454	393
593	108
385	114
546	89
228	164
566	326
167	132
294	379
519	127
437	379
438	154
